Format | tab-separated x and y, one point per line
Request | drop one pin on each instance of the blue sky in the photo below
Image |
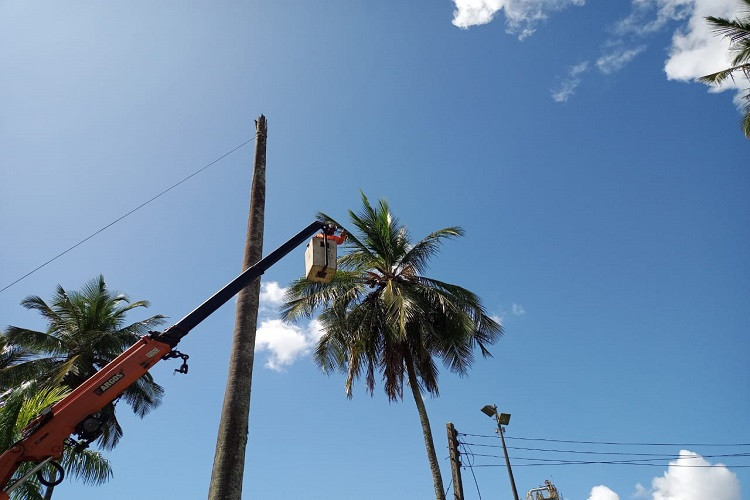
604	197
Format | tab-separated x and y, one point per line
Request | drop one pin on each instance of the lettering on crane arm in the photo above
146	363
109	383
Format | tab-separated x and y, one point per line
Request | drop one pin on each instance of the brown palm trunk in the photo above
437	479
229	460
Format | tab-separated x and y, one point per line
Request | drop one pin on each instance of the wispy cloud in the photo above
650	16
690	477
570	83
640	491
521	16
615	61
286	342
518	310
695	50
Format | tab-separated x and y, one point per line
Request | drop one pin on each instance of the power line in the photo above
630	461
550	450
612	443
467	451
127	214
661	465
643	459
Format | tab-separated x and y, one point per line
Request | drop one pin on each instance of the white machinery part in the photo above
315	260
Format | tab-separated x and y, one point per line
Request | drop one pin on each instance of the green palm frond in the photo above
144	395
721	76
33	341
88	466
738	33
736	30
19	408
30	490
86	330
420	254
380	310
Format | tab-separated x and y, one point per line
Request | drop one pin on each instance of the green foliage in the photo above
738	33
86	329
19	407
380	313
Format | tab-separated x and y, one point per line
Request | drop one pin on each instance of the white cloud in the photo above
521	16
568	86
475	12
286	342
697	51
640	491
602	493
271	294
518	310
690	478
617	60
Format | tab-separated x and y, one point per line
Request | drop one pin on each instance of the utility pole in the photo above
229	460
458	487
507	460
502	419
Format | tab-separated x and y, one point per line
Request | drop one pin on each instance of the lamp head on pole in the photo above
489	410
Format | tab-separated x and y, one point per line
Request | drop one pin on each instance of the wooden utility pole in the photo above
229	460
458	487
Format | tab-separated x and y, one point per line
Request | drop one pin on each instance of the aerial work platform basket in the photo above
320	259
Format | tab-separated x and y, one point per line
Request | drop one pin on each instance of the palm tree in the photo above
19	407
738	32
17	366
85	331
381	314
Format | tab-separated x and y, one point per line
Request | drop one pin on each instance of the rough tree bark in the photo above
437	479
229	460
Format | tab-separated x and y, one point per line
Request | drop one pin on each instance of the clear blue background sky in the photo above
608	228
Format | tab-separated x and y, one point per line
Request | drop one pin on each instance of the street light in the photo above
502	419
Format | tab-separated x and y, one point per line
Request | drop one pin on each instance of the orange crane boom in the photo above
45	438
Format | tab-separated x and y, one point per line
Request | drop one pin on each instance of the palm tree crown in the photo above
86	330
738	32
381	314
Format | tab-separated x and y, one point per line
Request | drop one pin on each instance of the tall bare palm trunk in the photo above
229	459
437	479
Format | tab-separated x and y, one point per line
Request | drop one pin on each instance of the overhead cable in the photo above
127	214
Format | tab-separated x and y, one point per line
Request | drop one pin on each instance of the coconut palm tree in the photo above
85	331
19	407
382	314
738	32
17	366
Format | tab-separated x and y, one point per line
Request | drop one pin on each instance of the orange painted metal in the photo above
45	436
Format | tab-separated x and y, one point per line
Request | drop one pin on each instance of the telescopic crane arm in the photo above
45	437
